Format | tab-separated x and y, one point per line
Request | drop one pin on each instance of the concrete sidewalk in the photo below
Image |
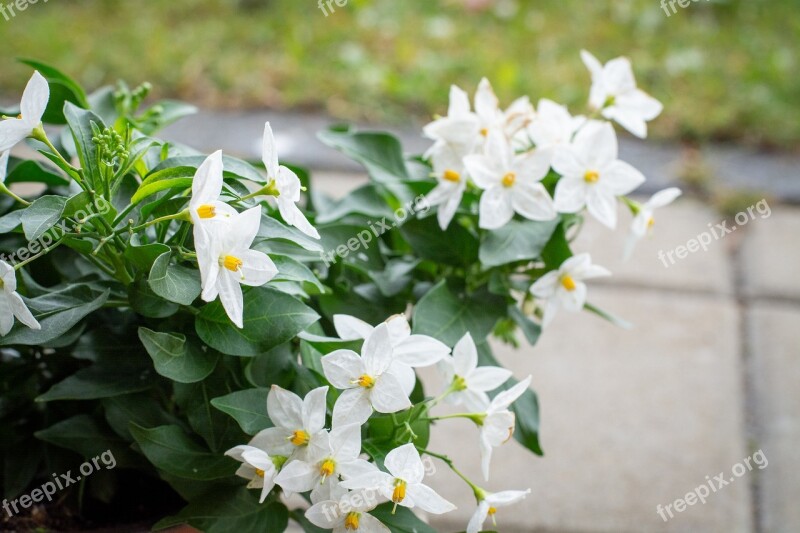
636	419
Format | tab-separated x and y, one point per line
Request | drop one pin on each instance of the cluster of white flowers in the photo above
301	456
505	155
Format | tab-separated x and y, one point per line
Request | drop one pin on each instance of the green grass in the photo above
724	70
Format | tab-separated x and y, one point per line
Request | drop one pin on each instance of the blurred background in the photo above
630	419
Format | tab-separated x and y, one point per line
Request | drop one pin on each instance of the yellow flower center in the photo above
366	381
509	179
232	263
485	131
651	222
452	175
591	176
351	521
300	438
19	116
567	282
259	472
327	468
206	211
399	493
492	511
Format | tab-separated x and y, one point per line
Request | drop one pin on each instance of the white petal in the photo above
297	476
496	209
352	407
486	103
596	144
314	410
405	376
568	163
405	463
628	119
531	166
325	514
664	198
245	228
474	401
570	196
420	350
486	456
6	315
487	378
230	294
618	76
12	131
21	311
4	165
294	217
428	499
573	300
351	328
602	205
482	171
545	286
478	518
285	408
269	152
459	102
399	329
449	208
342	367
507	497
369	524
207	181
345	442
34	99
388	396
504	399
532	201
377	351
257	268
498	428
465	356
621	178
591	62
274	441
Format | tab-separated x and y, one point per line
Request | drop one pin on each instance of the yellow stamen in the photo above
509	179
651	222
232	263
259	472
591	176
300	438
366	381
19	116
206	211
492	511
567	282
484	131
351	521
452	175
327	468
399	493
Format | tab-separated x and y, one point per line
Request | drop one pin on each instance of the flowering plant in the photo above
188	313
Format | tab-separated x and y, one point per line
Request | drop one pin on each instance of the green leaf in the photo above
401	520
140	408
11	221
80	124
380	153
454	246
395	277
516	241
33	172
364	201
62	89
447	316
171	450
42	215
174	283
247	407
557	250
176	359
292	270
147	303
101	380
529	328
57	313
162	185
226	511
270	318
272	229
88	437
170	111
219	430
144	255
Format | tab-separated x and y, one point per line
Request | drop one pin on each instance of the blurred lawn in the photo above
724	69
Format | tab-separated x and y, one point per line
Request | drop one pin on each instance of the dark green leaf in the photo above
177	359
516	241
174	283
247	407
42	215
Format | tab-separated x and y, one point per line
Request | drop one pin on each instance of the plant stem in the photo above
479	492
5	190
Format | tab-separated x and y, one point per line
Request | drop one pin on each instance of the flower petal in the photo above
285	408
388	396
34	99
207	182
297	476
428	499
570	196
420	350
532	201
465	356
342	367
230	294
488	378
602	205
377	351
257	268
621	178
12	131
352	407
405	463
269	152
314	410
22	312
504	399
496	209
351	328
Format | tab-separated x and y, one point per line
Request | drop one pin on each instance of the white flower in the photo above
332	455
258	467
592	175
344	512
298	422
11	304
553	127
614	92
410	351
226	262
3	166
205	205
510	183
366	381
489	505
498	423
32	107
403	484
287	185
493	119
461	127
564	288
471	383
644	219
448	168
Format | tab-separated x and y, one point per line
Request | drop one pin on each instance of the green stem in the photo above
40	135
480	494
40	254
182	215
5	190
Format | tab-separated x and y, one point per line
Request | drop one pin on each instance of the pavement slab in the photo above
771	255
